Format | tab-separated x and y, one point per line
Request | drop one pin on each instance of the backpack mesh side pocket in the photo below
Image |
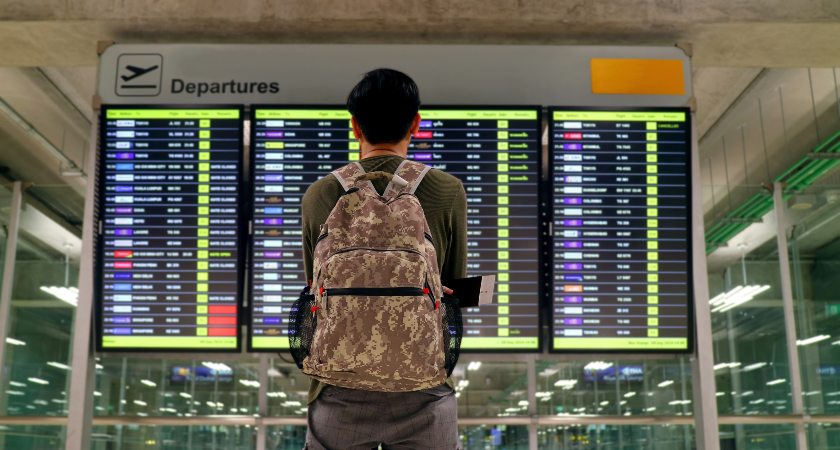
453	332
302	321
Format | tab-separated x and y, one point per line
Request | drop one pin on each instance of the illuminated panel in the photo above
621	204
170	182
493	150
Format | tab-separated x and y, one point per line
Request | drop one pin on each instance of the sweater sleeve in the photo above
455	263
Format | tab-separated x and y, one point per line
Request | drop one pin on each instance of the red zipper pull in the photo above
426	291
315	307
322	290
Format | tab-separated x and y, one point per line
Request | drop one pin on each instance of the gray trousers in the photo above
351	419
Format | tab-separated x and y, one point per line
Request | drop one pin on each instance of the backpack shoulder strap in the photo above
347	175
410	171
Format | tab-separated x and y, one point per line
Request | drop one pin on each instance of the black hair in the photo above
384	104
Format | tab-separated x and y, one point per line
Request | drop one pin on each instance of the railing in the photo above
468	421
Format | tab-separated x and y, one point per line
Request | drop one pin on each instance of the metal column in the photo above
790	319
532	402
83	376
9	270
262	402
702	365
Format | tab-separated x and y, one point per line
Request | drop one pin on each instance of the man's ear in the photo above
357	132
415	126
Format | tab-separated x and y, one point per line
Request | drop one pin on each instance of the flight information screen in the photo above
493	150
170	196
621	202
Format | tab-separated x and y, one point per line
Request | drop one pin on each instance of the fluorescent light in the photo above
38	380
566	384
544	394
726	365
290	403
629	394
775	382
16	384
811	393
598	365
813	339
679	402
474	365
718	394
69	295
185	395
17	342
250	383
149	383
97	394
219	367
756	402
523	402
605	403
652	408
666	383
140	402
15	393
277	394
746	393
753	366
736	297
58	365
99	366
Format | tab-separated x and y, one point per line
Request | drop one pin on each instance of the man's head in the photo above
384	106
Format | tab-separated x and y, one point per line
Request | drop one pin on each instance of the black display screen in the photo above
170	208
494	150
620	193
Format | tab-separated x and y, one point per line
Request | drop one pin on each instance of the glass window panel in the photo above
176	387
197	437
748	331
615	387
620	437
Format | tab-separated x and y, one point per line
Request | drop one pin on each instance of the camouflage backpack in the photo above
376	318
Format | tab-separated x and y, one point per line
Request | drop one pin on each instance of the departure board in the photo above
169	249
493	150
621	202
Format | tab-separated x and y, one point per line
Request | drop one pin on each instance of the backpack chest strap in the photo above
348	174
410	171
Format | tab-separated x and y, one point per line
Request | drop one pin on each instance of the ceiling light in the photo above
811	340
185	395
250	383
543	394
718	394
14	341
566	384
736	297
775	382
605	403
219	367
629	394
726	365
149	383
753	366
38	380
16	384
598	365
474	365
666	383
802	202
69	295
58	365
652	408
140	402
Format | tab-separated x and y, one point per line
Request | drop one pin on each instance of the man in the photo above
384	106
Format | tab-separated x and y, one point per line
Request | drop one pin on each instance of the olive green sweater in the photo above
443	200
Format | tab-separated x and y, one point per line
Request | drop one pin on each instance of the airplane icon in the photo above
137	71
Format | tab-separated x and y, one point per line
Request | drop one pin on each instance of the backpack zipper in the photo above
375	250
429	237
321	238
376	292
431	295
